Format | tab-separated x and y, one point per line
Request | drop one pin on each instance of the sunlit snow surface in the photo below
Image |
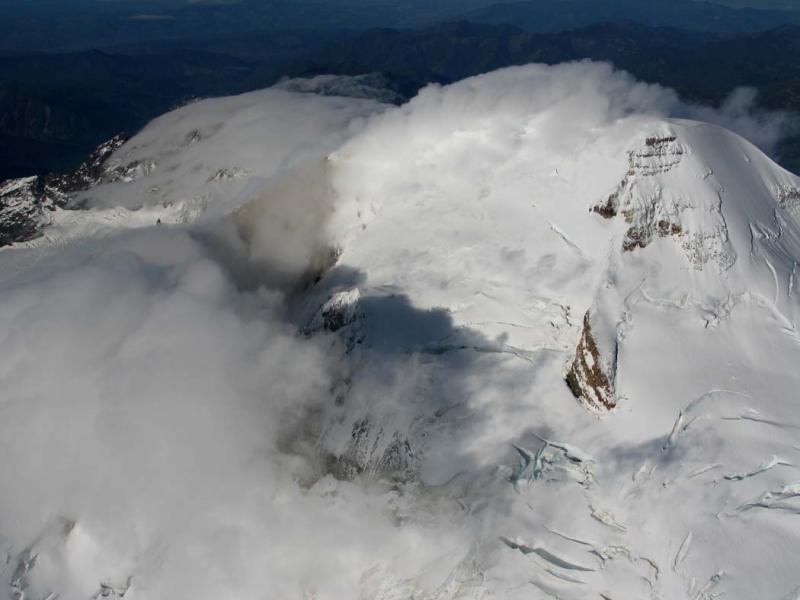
336	368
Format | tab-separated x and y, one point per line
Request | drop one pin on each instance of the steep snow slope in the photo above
527	336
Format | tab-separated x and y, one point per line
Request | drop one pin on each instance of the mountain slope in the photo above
526	336
558	15
57	26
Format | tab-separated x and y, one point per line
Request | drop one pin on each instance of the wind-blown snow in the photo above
336	368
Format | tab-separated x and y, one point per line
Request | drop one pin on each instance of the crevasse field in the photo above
532	335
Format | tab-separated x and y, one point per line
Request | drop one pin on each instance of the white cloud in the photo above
741	113
162	417
157	409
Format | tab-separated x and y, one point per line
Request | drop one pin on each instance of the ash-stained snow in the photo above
322	347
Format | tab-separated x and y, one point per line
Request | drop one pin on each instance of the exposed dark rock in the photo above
22	206
647	215
636	237
666	228
659	141
25	203
90	172
608	209
788	195
340	310
591	377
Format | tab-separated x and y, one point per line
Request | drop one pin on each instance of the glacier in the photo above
530	335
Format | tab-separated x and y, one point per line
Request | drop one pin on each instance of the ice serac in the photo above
465	266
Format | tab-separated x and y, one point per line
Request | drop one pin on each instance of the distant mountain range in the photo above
701	66
559	15
58	25
55	108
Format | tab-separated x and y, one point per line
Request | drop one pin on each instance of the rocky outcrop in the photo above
788	197
652	208
649	217
91	172
25	203
371	451
591	375
339	311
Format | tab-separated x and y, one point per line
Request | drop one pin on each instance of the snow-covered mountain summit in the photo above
532	335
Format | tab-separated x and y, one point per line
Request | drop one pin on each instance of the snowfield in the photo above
531	335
